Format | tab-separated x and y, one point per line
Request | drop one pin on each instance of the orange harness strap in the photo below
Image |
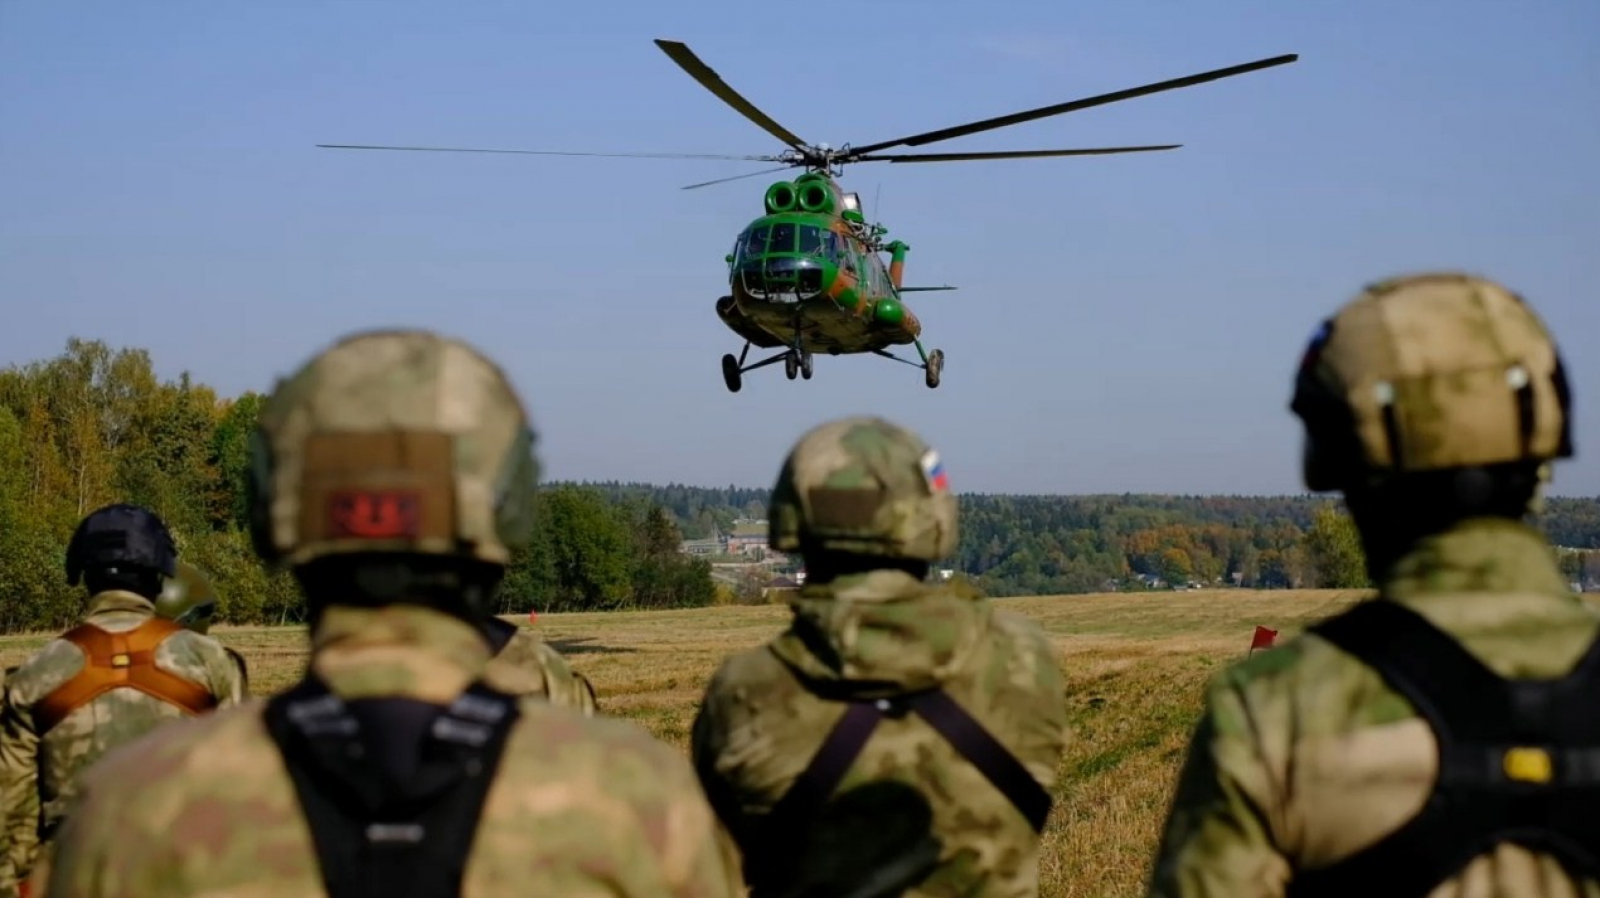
118	660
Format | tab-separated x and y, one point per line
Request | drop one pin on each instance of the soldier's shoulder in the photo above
227	745
552	742
752	667
198	643
54	663
1305	682
1019	629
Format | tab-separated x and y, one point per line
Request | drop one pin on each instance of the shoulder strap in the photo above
374	836
1519	761
118	660
984	752
244	669
770	861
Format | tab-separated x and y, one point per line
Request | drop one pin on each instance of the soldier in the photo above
884	680
1442	738
524	664
120	673
393	475
188	600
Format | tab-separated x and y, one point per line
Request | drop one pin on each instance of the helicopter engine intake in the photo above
781	198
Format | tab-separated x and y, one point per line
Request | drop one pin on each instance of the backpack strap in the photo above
984	752
1519	760
792	815
376	835
120	660
771	859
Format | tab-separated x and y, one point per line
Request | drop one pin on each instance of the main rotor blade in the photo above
1074	105
738	177
342	146
1010	154
713	82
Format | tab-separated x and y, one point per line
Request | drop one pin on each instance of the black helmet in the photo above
121	538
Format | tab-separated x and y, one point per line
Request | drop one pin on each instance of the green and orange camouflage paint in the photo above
807	276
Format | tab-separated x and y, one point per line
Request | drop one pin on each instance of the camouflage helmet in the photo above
1429	372
863	486
187	599
398	441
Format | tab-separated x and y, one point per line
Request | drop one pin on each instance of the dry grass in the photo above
1135	666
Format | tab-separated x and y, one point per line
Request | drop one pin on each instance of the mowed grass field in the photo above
1135	666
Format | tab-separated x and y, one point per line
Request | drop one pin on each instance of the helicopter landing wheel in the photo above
731	375
791	364
934	368
805	365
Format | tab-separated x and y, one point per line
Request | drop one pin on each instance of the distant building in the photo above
747	537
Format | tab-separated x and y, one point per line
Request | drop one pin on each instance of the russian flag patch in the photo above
933	468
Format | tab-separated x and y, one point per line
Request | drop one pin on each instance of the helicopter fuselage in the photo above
805	280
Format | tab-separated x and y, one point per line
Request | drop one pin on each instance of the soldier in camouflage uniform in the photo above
188	600
394	475
119	674
524	664
882	678
1442	739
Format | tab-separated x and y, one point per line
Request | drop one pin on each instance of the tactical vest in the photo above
124	660
1519	760
381	835
790	818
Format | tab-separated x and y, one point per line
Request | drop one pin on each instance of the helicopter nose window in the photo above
755	242
782	240
810	239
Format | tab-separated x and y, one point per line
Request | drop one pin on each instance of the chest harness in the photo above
391	788
116	661
790	819
1519	760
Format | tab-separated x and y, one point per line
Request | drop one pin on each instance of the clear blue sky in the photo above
1123	324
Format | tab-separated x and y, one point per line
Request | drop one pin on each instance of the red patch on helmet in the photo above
375	514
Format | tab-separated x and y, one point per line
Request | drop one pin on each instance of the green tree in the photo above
1333	549
590	550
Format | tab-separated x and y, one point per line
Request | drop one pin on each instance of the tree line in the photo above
95	425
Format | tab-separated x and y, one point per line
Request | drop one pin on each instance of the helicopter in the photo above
808	275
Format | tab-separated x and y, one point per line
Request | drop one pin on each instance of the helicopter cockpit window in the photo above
782	240
811	239
755	241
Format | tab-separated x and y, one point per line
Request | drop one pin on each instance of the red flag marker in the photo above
1263	638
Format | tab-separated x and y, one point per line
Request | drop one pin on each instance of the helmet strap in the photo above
823	566
461	588
1394	514
126	578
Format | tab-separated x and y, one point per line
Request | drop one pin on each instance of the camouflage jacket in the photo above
39	774
527	665
885	634
578	806
1304	755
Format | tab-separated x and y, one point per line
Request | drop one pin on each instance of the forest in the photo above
95	425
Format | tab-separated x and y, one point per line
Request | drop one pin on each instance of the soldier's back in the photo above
768	712
52	699
577	806
1308	759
